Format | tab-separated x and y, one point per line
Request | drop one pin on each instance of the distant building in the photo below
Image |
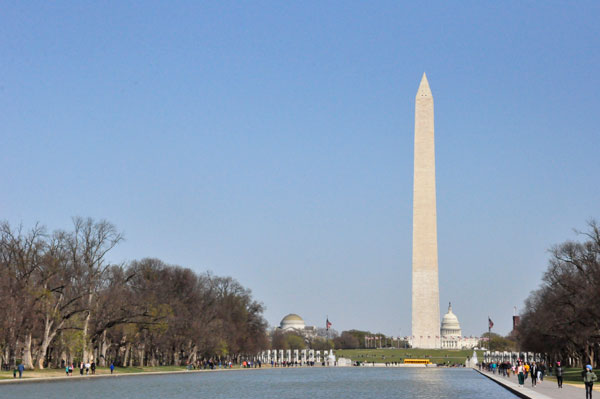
516	321
294	323
450	334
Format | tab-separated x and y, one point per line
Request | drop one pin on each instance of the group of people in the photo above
86	368
523	370
294	363
209	365
18	369
503	368
83	367
537	371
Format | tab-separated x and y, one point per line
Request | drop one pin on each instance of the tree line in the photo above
562	317
63	302
330	339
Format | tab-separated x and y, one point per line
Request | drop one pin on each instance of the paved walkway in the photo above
545	390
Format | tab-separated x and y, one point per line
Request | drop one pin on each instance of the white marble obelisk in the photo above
425	288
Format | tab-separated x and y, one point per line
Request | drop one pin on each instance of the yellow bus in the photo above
417	361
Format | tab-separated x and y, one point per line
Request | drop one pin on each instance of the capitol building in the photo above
450	334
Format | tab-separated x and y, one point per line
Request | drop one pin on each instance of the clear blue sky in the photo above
272	141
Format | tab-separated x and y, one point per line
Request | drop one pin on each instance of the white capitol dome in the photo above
450	324
452	335
292	321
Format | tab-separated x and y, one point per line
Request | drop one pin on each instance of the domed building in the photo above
450	324
295	323
452	335
292	322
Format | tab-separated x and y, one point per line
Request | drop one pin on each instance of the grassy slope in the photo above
439	356
571	376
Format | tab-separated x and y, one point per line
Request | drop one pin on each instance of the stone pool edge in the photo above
144	373
514	388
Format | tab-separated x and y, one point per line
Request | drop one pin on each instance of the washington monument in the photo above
425	287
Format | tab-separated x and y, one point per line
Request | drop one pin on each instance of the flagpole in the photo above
489	335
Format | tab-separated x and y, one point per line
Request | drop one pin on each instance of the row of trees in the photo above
62	301
497	342
326	340
562	317
293	340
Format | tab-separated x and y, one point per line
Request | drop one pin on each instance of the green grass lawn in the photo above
438	356
570	375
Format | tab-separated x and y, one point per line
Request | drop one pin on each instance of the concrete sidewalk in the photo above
545	390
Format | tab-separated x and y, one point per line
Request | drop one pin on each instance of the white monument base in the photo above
343	362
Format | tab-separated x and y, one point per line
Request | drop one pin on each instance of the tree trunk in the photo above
175	357
86	325
103	349
64	357
27	359
49	335
15	350
141	352
192	355
126	355
152	360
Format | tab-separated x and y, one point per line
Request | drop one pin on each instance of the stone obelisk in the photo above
425	288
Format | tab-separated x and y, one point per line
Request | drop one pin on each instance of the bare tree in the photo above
88	245
63	301
562	317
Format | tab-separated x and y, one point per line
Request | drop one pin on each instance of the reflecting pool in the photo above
277	383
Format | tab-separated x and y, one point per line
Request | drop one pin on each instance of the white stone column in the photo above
425	286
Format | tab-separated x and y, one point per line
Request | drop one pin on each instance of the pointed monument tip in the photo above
424	89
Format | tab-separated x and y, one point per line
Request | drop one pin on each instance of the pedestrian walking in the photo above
112	367
534	374
588	378
93	368
81	368
559	374
21	368
521	374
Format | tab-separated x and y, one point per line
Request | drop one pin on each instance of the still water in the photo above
380	383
